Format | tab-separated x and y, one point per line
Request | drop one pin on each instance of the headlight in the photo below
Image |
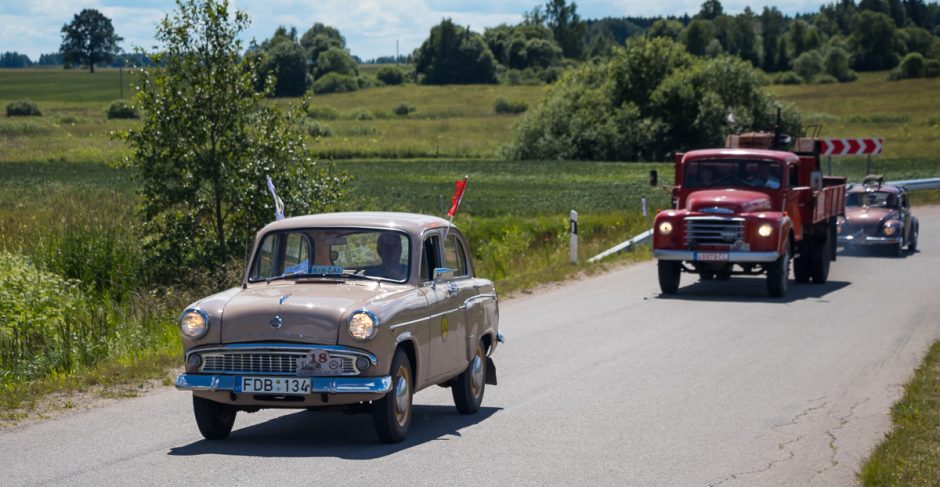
889	231
194	323
362	325
765	230
665	228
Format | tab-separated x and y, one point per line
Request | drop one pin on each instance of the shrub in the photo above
390	75
318	129
787	78
502	105
360	114
122	109
322	113
808	65
912	66
825	79
23	108
335	83
932	68
403	109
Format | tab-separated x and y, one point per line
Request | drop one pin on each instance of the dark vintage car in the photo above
878	215
357	310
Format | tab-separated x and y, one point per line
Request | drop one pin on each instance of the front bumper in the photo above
327	385
866	240
733	256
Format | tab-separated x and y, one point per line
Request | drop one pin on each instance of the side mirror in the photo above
654	178
443	273
816	180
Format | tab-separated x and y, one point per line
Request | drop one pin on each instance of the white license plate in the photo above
711	256
319	363
275	385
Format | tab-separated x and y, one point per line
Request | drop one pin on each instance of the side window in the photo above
429	257
265	263
794	176
454	256
904	202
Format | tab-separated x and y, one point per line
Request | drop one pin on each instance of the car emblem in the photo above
283	298
277	322
729	234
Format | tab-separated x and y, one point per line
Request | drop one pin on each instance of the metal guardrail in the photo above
622	246
917	184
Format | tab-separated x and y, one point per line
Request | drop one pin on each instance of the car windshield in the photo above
872	199
732	173
332	252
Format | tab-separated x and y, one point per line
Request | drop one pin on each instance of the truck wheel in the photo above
469	386
215	420
669	276
778	275
801	263
392	413
819	260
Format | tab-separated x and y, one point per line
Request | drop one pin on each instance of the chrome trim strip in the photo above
734	256
280	347
329	385
869	240
419	320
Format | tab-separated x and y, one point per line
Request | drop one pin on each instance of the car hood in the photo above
727	201
863	214
307	312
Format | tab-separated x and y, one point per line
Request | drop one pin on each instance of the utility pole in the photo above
121	70
396	52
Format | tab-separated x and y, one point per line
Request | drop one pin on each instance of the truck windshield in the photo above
732	173
872	199
333	252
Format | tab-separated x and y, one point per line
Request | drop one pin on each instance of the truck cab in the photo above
749	210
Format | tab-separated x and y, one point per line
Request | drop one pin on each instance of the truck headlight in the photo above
363	325
194	323
765	230
665	228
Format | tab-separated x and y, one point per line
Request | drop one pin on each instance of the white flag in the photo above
278	204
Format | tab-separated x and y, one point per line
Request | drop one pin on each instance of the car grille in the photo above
867	229
715	231
271	363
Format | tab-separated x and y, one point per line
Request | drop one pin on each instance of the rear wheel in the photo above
820	258
801	263
669	276
215	420
469	386
778	275
392	413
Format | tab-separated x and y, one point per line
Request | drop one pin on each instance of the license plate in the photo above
275	385
319	363
711	256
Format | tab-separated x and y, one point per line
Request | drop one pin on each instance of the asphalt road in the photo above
602	382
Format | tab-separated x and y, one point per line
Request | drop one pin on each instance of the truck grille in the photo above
713	230
273	363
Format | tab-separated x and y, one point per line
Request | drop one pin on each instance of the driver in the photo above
763	178
388	246
708	176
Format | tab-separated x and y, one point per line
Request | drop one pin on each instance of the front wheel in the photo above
392	413
778	275
215	420
912	245
469	386
669	276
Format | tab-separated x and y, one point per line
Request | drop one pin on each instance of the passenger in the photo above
763	178
388	246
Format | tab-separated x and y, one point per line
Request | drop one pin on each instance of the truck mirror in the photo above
654	178
816	180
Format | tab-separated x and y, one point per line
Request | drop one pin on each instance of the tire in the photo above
470	385
669	276
778	275
801	264
897	250
215	420
820	258
392	413
912	245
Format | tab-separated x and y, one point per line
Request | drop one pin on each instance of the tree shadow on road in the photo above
333	434
750	290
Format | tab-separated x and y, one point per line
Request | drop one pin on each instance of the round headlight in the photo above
665	228
765	230
194	323
889	231
363	325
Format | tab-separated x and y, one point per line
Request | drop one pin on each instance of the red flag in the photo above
460	186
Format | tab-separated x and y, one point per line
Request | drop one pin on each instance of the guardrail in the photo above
917	184
622	246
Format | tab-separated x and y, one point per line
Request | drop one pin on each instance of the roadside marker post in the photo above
851	147
573	230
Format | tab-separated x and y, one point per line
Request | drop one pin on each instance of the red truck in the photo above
749	210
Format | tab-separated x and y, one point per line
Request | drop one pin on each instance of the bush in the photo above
932	68
912	66
365	82
318	129
23	108
502	105
390	75
360	114
403	109
825	79
322	113
808	65
122	109
335	83
787	78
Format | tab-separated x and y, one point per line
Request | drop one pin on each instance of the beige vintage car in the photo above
344	309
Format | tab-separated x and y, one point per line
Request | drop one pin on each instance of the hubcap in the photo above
402	396
476	374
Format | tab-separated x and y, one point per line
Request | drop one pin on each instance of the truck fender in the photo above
786	232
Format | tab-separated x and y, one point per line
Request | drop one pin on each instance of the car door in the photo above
463	289
443	309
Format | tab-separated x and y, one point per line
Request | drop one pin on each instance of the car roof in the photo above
411	223
758	154
885	188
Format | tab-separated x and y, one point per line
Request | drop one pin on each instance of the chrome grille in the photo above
868	229
272	363
713	230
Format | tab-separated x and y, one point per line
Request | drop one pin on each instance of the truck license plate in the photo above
711	256
275	385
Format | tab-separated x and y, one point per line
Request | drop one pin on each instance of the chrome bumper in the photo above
328	385
734	256
857	240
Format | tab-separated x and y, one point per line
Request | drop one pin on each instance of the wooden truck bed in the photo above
830	200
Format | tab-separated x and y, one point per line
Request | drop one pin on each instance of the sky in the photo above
371	27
